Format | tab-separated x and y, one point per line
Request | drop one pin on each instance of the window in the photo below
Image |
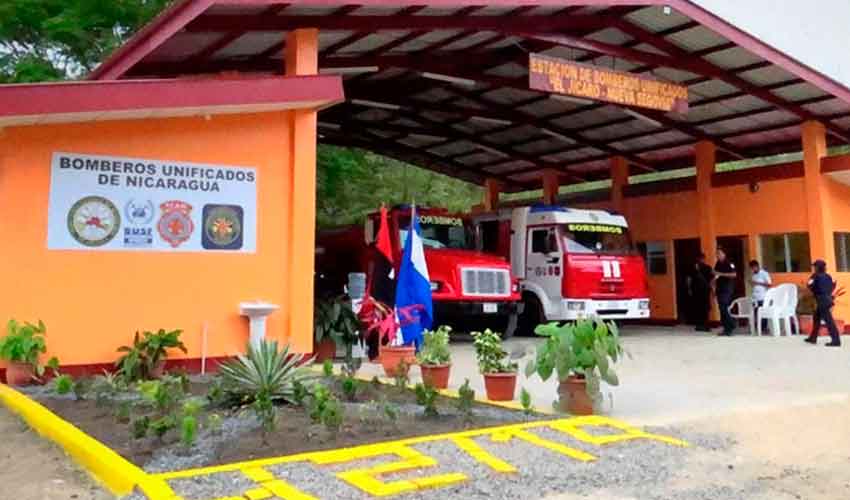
842	252
655	254
785	253
539	240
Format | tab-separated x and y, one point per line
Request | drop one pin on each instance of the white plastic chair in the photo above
790	318
742	308
776	309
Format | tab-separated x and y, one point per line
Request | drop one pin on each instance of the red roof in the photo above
128	99
444	84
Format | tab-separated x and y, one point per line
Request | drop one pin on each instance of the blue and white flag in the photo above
413	288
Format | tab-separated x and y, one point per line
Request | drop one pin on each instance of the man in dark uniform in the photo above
725	276
701	292
822	285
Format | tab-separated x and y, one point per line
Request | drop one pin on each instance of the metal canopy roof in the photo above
444	84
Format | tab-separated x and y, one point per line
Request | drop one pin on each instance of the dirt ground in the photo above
794	453
33	469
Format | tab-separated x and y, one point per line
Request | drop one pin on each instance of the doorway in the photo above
685	254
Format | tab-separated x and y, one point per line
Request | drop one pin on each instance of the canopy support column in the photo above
492	189
819	217
551	185
706	161
619	181
302	58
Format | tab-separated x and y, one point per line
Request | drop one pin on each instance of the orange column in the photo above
492	188
821	242
551	184
619	181
706	160
302	58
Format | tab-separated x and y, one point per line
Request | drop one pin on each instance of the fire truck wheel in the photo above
511	327
531	316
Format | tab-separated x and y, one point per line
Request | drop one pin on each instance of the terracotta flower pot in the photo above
326	349
436	376
806	321
158	370
574	398
19	373
500	386
392	357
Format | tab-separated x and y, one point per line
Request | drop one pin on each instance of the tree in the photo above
44	40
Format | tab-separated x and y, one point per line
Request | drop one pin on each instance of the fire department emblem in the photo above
175	225
222	227
93	221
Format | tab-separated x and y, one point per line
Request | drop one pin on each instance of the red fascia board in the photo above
128	95
835	163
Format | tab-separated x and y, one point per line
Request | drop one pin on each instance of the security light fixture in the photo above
375	104
353	70
571	99
667	10
465	82
494	121
642	117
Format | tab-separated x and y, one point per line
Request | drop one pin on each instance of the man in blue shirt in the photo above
822	285
724	289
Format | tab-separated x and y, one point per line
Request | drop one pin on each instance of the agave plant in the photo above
265	370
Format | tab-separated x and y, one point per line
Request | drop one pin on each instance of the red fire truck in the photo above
470	289
572	263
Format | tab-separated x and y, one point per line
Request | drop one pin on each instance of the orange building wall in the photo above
777	207
93	302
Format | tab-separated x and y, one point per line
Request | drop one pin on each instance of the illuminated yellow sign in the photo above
440	220
594	228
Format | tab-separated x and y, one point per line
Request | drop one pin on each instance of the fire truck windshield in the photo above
440	232
597	238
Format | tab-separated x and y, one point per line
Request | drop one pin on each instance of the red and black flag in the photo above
382	282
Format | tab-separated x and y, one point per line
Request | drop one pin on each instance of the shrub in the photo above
390	411
214	423
317	401
525	401
162	425
140	426
264	370
188	430
63	384
24	344
435	347
81	387
465	400
401	375
163	394
148	351
349	388
332	415
106	386
491	356
328	368
122	412
264	410
299	392
426	396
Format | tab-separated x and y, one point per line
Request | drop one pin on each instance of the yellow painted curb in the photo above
109	468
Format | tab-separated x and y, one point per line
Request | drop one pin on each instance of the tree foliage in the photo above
55	39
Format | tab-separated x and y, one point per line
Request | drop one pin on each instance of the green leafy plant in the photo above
214	423
526	402
24	343
491	357
145	356
163	425
426	396
332	415
164	394
435	347
328	368
81	388
63	384
264	409
265	369
188	430
106	386
122	412
401	378
390	411
299	392
585	349
139	427
333	318
465	400
192	407
316	402
349	388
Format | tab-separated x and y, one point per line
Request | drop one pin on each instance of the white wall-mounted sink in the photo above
257	312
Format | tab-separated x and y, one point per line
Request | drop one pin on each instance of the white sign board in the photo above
132	204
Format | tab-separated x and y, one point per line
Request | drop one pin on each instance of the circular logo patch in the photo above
175	225
139	213
223	225
93	221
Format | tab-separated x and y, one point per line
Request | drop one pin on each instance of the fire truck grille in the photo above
485	282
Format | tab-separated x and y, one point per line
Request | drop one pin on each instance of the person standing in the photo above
822	286
701	292
725	276
760	281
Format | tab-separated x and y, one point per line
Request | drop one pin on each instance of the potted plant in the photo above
21	347
333	321
435	358
499	373
145	359
581	354
806	308
379	320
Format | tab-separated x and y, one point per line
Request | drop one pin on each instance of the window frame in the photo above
660	254
788	260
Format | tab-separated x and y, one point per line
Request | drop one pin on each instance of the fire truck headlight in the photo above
435	286
575	306
643	305
515	288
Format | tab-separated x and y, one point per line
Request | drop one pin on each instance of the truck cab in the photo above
572	263
470	289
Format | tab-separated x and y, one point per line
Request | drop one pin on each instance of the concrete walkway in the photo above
677	375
